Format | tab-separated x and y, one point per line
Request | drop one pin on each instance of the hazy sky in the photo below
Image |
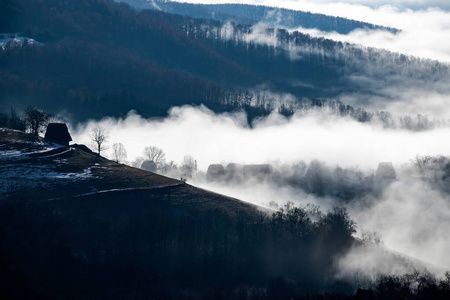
425	24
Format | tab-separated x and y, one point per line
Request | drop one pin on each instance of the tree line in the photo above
33	120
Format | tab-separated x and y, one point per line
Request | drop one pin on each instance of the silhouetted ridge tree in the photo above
36	120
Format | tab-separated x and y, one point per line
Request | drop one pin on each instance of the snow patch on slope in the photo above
10	40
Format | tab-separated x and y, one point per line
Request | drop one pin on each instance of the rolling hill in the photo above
51	172
58	204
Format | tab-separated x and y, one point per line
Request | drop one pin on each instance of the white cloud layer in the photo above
214	138
412	217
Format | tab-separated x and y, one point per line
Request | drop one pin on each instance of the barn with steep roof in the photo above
58	133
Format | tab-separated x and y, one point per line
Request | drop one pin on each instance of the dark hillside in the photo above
74	225
100	55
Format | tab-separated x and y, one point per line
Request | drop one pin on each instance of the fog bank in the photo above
425	25
216	138
412	215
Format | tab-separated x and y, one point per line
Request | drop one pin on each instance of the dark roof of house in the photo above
58	133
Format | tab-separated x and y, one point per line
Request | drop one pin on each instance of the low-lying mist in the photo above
214	138
411	212
413	217
377	74
424	24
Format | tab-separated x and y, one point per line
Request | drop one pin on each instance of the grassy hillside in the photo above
75	225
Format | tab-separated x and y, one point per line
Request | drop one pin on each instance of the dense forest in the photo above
251	14
102	58
137	245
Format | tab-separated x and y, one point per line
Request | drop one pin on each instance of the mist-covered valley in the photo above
233	151
317	158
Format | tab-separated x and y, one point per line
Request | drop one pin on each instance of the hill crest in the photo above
49	172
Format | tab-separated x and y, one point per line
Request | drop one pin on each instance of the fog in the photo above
377	80
411	214
404	97
425	25
316	5
422	34
215	138
413	218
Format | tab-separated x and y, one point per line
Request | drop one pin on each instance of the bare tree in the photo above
189	166
169	168
36	120
421	163
155	155
99	137
371	237
119	153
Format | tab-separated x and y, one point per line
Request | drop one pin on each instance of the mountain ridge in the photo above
62	171
100	58
252	14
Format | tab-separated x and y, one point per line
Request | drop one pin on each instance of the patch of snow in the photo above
10	154
14	154
86	174
53	155
9	129
15	40
28	176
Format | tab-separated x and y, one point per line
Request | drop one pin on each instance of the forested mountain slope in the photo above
102	58
252	14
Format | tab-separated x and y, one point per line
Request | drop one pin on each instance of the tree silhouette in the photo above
36	120
119	153
189	166
99	137
155	155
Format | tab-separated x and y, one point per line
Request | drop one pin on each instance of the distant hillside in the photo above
252	14
100	58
